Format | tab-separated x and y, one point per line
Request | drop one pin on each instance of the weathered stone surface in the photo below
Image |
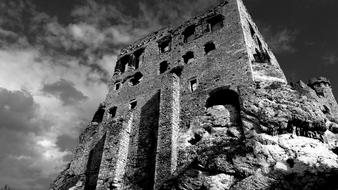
290	146
179	117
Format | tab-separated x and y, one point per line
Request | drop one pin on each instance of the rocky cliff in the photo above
285	140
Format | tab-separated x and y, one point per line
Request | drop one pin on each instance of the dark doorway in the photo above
93	165
229	100
223	97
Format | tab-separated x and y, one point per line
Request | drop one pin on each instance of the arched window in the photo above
227	100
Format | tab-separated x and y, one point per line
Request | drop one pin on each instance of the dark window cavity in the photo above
193	84
124	63
117	86
189	33
188	57
165	44
136	79
138	58
223	97
228	99
112	111
261	56
326	110
177	70
132	104
163	67
208	47
252	31
215	23
98	116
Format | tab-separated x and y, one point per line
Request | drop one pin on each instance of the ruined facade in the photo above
179	86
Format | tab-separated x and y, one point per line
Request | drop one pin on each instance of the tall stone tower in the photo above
161	82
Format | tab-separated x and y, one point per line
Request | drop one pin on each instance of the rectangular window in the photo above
138	58
215	23
189	33
193	84
112	111
165	44
163	67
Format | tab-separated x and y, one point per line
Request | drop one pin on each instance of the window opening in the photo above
136	79
193	85
188	57
189	33
215	23
98	116
208	47
124	63
261	57
163	67
229	101
132	104
117	85
165	45
252	31
326	110
112	111
138	58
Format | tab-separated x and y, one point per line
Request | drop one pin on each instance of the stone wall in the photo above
148	117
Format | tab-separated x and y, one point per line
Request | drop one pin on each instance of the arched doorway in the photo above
225	101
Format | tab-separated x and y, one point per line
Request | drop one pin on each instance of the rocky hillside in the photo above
286	140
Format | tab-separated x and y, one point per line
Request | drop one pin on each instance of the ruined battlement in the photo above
173	32
319	80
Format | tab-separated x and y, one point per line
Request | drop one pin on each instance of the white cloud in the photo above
87	34
28	69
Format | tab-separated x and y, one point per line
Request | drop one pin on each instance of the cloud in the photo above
280	40
330	59
27	153
33	121
66	91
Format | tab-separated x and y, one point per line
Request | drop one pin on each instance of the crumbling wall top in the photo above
173	30
318	80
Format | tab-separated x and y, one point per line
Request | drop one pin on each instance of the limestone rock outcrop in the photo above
287	142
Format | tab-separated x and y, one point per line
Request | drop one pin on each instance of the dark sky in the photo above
56	57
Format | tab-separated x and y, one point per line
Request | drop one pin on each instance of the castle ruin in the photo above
138	136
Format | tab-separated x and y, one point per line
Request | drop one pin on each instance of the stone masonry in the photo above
201	106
